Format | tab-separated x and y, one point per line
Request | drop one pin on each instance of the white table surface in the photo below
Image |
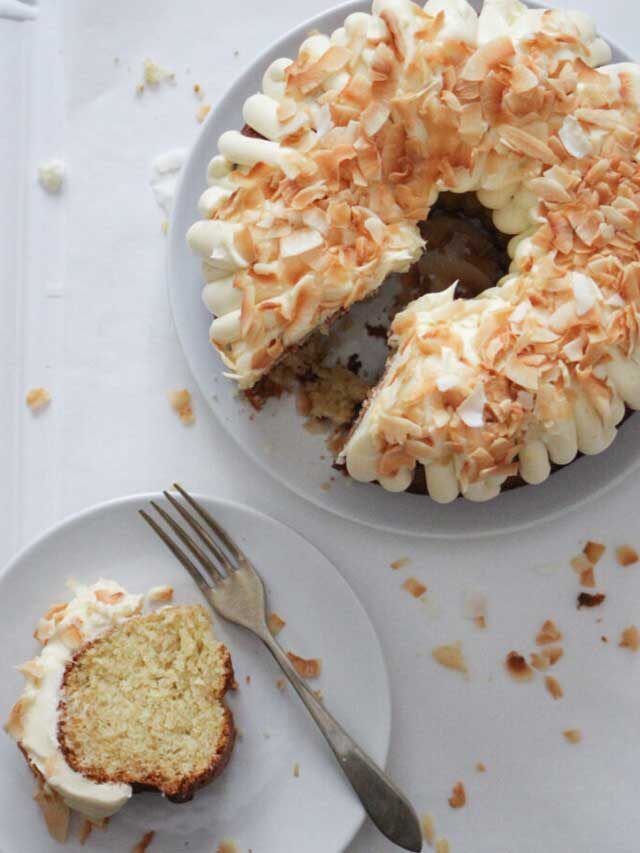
83	311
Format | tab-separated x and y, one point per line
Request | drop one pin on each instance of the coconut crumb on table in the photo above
202	112
546	658
588	578
554	688
458	797
586	599
160	594
572	735
630	639
626	555
37	399
197	91
51	175
153	74
401	563
414	587
276	623
306	667
296	770
480	767
580	563
548	633
281	684
517	667
474	607
451	657
593	551
428	829
227	847
144	843
181	403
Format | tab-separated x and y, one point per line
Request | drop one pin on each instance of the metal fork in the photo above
234	589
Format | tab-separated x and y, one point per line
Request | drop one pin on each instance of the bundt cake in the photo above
119	701
352	143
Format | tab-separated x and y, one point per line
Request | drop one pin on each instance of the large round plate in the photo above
257	802
275	439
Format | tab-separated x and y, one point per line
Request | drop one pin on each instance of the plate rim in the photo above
572	505
95	510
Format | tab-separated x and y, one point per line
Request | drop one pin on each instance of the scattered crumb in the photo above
319	695
546	658
37	399
474	607
202	112
325	486
580	563
428	829
160	594
553	687
588	578
451	657
458	796
164	226
630	639
517	667
51	175
572	735
604	639
549	633
227	847
586	599
276	623
197	91
593	551
144	843
247	679
296	770
626	555
414	587
154	74
281	684
181	403
139	89
306	668
442	846
480	767
401	563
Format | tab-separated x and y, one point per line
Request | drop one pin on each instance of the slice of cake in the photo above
119	702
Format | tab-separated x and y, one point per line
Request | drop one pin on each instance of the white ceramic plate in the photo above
257	801
274	438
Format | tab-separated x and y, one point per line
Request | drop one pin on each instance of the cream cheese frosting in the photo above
34	720
361	132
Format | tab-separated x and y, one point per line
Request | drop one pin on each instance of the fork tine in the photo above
228	542
199	529
184	537
177	552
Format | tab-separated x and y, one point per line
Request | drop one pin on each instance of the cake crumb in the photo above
164	226
227	847
428	829
442	846
630	639
144	842
325	486
276	623
593	551
281	684
319	695
51	175
153	74
518	668
181	403
202	112
626	555
197	91
546	658
548	633
296	770
306	668
586	599
554	688
247	679
580	563
572	735
474	607
458	797
480	767
450	656
160	594
37	399
414	587
588	578
401	563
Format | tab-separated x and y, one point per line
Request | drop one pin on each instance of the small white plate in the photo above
275	439
257	802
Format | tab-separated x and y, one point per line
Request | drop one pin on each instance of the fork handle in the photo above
385	804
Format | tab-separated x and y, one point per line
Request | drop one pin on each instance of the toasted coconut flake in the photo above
86	827
181	403
471	410
401	563
143	845
572	735
451	657
374	117
574	139
526	143
72	637
588	578
414	587
586	599
37	399
548	633
300	241
32	669
630	638
276	623
55	811
626	555
160	594
518	668
593	551
306	668
428	829
107	597
458	796
487	57
554	687
15	723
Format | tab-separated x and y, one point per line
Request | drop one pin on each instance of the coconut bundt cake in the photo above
119	701
353	142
